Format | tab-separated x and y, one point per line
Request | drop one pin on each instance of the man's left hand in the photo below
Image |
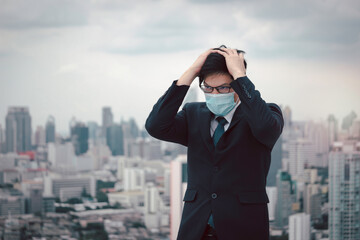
234	62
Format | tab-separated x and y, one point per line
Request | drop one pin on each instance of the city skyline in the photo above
65	132
72	58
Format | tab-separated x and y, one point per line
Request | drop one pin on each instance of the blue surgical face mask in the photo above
220	104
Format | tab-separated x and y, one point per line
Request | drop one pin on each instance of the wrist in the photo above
187	78
238	75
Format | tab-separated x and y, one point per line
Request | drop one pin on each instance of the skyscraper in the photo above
178	185
272	194
317	133
348	120
50	129
115	139
299	226
80	137
39	136
134	179
344	191
301	154
2	140
312	200
93	131
332	129
276	162
18	129
285	198
107	119
152	206
134	129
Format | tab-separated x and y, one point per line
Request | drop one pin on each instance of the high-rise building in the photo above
152	206
14	205
133	128
151	198
152	150
69	187
115	139
93	131
276	162
285	198
354	130
80	137
107	119
18	129
178	185
348	120
2	140
36	200
332	125
50	129
39	136
272	194
12	202
299	226
317	133
134	179
312	200
344	191
301	154
287	123
61	155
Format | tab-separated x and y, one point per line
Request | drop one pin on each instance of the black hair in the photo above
215	64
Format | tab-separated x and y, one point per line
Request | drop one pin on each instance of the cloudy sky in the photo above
70	58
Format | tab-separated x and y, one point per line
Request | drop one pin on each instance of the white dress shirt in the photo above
228	117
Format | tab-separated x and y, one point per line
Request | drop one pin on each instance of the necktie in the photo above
219	131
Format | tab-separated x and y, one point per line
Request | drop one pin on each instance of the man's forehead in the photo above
218	79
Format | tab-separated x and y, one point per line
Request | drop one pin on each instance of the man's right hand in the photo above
188	77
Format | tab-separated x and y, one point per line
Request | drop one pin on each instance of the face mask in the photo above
220	104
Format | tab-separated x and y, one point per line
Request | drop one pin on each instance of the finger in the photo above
228	51
233	51
221	52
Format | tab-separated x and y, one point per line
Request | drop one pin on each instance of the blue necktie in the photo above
219	131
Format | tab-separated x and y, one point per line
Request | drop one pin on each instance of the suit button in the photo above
216	169
214	195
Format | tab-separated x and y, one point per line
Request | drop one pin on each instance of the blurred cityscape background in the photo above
113	181
78	79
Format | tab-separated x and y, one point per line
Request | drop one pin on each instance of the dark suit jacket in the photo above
228	180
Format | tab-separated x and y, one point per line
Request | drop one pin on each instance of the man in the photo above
229	140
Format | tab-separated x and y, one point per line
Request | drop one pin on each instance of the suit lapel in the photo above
238	115
205	118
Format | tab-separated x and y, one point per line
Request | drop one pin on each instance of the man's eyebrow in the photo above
222	85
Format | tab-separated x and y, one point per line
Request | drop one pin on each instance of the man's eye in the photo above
223	88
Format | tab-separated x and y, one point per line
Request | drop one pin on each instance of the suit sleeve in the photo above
164	121
265	120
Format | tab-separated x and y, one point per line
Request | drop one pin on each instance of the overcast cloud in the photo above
71	58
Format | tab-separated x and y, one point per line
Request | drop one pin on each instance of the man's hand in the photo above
188	77
234	62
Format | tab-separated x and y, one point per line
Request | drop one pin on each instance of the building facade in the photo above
344	191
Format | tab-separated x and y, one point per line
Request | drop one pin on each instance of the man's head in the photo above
215	65
214	77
